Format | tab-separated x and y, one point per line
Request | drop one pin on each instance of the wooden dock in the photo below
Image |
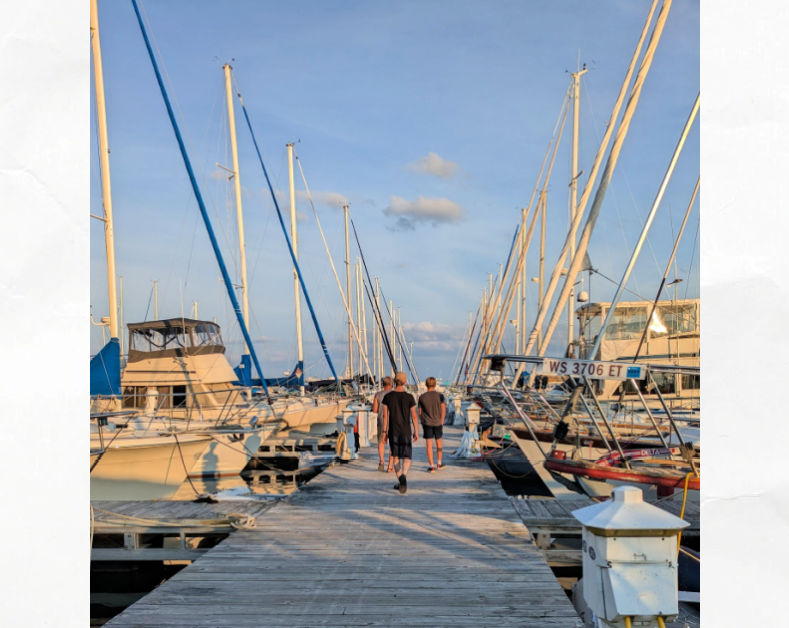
348	550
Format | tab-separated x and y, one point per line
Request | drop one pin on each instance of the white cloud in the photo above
426	331
423	209
434	164
332	199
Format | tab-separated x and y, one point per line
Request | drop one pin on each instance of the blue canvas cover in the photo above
244	374
105	370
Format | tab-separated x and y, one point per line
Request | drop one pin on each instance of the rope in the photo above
106	447
341	443
682	510
689	555
183	462
235	519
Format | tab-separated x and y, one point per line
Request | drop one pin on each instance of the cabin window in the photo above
206	334
149	340
134	397
179	396
665	383
674	319
627	323
163	402
691	382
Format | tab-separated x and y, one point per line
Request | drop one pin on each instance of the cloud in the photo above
434	164
433	339
433	210
428	331
332	199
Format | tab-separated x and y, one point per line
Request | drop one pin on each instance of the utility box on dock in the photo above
471	412
345	424
630	560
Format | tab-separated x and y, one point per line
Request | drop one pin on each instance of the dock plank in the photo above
348	550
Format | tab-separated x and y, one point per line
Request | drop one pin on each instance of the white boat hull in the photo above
146	467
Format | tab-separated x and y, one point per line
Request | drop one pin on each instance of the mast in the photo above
155	300
576	76
359	306
364	317
237	185
104	151
348	292
380	359
522	309
294	236
541	275
120	309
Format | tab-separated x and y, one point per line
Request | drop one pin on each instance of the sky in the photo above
430	122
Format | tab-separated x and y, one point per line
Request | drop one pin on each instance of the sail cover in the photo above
105	370
293	380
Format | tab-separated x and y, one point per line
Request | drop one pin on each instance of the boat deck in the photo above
348	550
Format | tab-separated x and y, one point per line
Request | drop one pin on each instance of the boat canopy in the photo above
670	318
173	337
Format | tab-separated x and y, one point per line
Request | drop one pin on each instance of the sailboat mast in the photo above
348	292
576	76
294	236
380	358
522	309
104	151
237	185
359	304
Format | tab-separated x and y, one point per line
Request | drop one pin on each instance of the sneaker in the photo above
441	465
403	485
381	466
431	469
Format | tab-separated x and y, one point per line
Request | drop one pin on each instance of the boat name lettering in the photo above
590	368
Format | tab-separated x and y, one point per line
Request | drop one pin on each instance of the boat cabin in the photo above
672	338
177	367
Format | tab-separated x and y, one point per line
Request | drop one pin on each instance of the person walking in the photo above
378	407
432	410
399	413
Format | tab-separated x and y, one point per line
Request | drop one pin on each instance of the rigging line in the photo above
616	283
397	337
692	258
379	317
290	247
200	203
665	275
468	344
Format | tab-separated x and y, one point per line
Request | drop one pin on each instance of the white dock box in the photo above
471	412
629	552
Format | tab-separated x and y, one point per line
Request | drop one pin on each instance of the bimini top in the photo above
173	337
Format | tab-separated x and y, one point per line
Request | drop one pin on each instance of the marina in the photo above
571	492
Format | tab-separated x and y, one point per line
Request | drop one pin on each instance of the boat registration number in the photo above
590	368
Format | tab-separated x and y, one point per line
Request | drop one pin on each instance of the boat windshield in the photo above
628	321
154	339
674	319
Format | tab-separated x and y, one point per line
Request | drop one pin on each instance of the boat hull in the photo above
145	467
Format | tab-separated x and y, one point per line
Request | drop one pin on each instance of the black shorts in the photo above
433	431
400	447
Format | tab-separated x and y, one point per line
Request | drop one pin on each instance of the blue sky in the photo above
430	118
